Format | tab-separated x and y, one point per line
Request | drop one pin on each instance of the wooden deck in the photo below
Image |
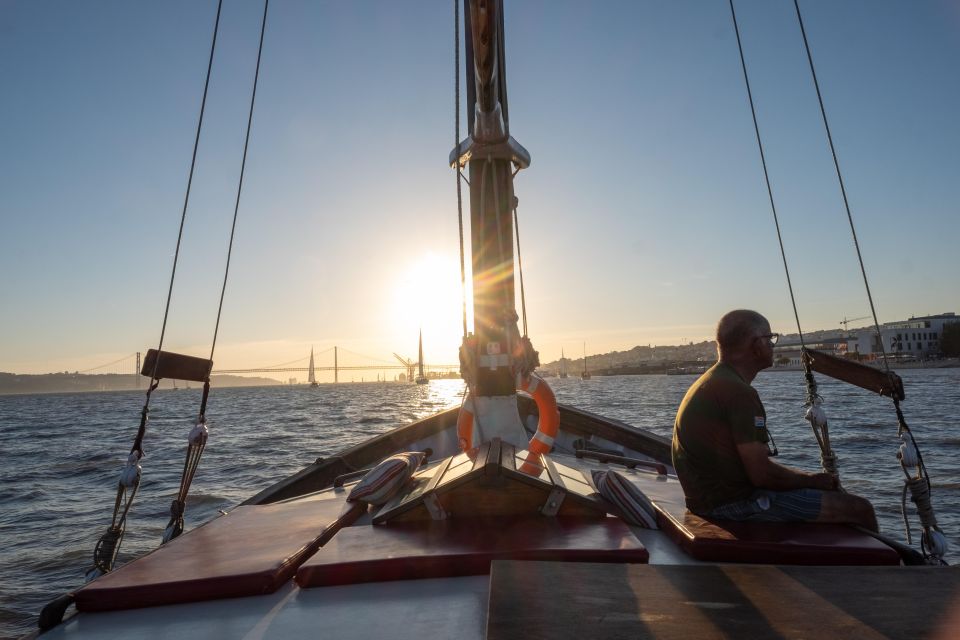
576	600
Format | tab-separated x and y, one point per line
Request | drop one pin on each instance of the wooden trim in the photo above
176	366
491	458
438	475
552	471
860	375
321	474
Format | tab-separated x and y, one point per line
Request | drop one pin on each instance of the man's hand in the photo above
764	473
824	481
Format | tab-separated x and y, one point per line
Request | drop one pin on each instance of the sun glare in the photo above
427	296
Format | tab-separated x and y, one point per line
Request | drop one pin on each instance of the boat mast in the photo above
491	156
420	356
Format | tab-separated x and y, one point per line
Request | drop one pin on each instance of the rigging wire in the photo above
197	439
108	545
766	174
843	190
456	145
154	382
243	165
183	218
815	413
920	485
523	296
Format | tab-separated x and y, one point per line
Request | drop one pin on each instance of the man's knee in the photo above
846	507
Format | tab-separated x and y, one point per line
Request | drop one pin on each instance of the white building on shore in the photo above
915	338
918	337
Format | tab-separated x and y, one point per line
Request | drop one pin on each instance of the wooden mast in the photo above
490	155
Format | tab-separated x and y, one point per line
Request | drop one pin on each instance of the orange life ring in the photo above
547	427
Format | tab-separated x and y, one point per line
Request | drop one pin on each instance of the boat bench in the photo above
465	546
757	542
250	551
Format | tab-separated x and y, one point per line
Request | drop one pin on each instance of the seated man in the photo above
720	443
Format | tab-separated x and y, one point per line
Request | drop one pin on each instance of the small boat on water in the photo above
312	371
421	376
510	516
585	374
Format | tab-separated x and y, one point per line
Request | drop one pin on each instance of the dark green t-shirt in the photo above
719	411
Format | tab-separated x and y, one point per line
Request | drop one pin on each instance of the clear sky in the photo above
643	216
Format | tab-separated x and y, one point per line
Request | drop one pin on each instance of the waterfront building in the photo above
917	337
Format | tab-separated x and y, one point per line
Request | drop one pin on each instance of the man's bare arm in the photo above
764	473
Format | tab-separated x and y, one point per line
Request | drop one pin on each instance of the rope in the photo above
508	314
523	296
456	145
843	190
108	546
196	442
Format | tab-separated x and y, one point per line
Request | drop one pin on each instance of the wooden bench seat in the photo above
250	551
757	542
457	547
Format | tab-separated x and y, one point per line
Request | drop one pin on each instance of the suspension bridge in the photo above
333	359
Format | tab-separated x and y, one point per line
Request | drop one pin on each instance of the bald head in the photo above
737	328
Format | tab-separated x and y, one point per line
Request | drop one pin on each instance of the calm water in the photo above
62	455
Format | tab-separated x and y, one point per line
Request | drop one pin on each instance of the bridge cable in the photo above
103	366
933	542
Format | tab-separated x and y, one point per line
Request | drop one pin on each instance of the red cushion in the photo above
250	551
457	547
759	542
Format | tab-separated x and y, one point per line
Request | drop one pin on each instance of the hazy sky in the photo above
643	216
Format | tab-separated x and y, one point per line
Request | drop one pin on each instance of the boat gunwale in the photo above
321	474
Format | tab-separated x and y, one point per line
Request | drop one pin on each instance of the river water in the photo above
62	454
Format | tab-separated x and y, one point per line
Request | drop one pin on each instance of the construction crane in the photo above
847	321
409	364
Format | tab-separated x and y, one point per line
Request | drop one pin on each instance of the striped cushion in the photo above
636	508
384	480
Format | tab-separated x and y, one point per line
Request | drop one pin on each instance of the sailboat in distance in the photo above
421	376
563	364
586	374
312	373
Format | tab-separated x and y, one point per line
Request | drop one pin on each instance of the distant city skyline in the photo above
643	216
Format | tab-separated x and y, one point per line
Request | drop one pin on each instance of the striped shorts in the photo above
799	505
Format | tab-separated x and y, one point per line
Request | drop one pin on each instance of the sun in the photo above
427	295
